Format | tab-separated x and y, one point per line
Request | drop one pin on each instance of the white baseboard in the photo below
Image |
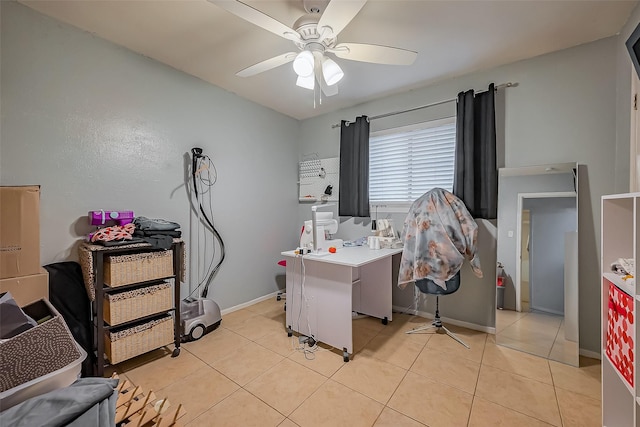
591	354
248	303
429	316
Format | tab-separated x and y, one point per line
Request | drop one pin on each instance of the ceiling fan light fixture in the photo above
303	64
331	71
307	82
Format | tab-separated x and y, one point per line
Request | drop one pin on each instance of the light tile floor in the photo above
536	333
249	373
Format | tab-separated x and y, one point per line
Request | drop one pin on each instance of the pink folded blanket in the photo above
116	232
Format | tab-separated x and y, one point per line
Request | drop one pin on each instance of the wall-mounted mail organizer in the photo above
318	177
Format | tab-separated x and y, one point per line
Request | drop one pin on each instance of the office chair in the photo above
427	286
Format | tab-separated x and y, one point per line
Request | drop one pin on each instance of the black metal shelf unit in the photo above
97	306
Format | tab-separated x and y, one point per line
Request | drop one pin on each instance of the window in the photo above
405	163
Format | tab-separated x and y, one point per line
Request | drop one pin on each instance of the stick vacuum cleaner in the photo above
201	315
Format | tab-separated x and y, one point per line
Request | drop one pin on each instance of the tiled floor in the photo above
536	333
249	373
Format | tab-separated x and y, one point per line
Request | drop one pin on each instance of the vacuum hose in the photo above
196	154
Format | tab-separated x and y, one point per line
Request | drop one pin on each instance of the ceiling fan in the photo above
315	35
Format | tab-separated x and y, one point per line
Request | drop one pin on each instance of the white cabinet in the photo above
620	240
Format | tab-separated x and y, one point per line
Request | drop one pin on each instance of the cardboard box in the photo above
19	231
27	289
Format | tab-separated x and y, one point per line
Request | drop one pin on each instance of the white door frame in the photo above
634	155
521	197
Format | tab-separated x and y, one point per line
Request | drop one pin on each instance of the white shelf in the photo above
621	284
629	388
620	237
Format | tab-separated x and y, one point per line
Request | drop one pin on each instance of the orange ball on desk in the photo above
332	249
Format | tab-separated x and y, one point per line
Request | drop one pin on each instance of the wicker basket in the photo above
120	270
125	306
139	339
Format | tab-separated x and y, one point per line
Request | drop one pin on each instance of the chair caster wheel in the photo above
176	352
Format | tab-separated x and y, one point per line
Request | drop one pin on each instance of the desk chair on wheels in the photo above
428	286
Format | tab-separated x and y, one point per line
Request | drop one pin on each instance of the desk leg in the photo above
289	280
376	289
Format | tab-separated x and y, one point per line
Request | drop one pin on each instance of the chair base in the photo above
440	329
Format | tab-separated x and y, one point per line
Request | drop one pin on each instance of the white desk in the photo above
323	291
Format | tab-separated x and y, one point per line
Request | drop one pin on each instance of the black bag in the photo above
69	296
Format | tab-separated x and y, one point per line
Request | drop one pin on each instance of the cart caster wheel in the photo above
289	332
345	356
385	321
176	352
278	298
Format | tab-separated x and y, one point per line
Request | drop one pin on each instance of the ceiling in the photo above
452	38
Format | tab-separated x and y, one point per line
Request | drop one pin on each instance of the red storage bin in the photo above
620	332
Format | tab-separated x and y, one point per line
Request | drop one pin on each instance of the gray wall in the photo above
98	126
563	110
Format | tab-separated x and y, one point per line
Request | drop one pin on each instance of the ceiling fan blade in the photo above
338	14
374	53
267	64
326	89
258	18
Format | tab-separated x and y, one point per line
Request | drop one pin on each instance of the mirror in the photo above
537	271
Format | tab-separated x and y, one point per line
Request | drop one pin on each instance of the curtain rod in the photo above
433	104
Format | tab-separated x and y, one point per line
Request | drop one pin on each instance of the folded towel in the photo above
144	223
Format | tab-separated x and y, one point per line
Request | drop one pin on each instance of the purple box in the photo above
101	217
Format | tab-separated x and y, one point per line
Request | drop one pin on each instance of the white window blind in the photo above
405	163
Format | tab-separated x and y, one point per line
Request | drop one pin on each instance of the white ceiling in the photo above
452	38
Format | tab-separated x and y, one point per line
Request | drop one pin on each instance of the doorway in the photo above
525	294
541	243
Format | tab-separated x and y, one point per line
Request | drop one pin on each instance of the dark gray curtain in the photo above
476	175
354	168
